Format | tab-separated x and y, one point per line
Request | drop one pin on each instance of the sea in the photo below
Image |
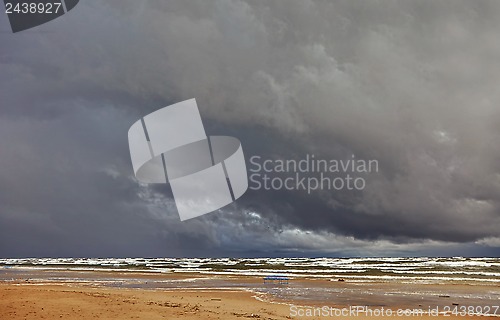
421	269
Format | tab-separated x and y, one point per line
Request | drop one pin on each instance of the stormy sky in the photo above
412	84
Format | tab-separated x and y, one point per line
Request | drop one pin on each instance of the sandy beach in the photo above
63	294
30	301
70	302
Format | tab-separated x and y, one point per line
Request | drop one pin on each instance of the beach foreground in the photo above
323	288
49	301
64	302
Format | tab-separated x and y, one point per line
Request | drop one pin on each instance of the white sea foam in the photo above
413	269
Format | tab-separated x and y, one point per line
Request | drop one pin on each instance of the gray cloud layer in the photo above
413	84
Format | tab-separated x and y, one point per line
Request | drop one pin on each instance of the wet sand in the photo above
27	293
38	301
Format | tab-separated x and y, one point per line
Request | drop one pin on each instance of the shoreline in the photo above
51	301
251	294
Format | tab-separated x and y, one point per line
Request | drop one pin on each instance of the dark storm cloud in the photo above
411	84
